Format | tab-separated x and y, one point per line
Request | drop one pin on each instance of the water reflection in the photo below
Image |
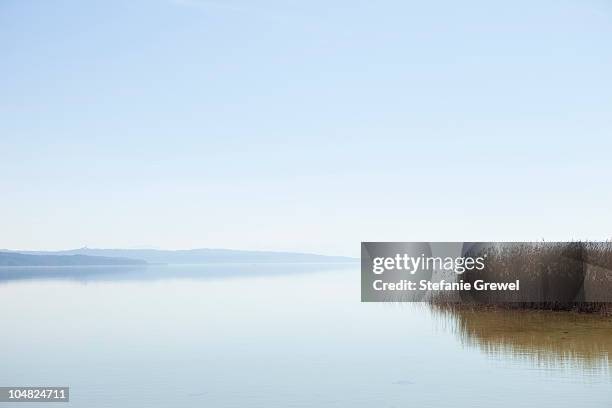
161	272
187	337
556	339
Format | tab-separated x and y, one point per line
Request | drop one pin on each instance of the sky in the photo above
303	125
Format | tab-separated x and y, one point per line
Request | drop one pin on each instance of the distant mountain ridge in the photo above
22	259
196	256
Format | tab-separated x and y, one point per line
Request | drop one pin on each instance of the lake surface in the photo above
283	336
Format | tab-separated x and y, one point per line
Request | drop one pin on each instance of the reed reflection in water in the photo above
550	339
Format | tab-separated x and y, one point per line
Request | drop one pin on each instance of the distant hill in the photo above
197	256
21	259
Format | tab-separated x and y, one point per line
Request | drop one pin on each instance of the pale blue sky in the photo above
303	125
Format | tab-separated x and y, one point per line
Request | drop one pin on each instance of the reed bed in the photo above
568	276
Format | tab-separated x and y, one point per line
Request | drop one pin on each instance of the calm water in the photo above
283	336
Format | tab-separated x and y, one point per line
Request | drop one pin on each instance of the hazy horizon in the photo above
25	250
